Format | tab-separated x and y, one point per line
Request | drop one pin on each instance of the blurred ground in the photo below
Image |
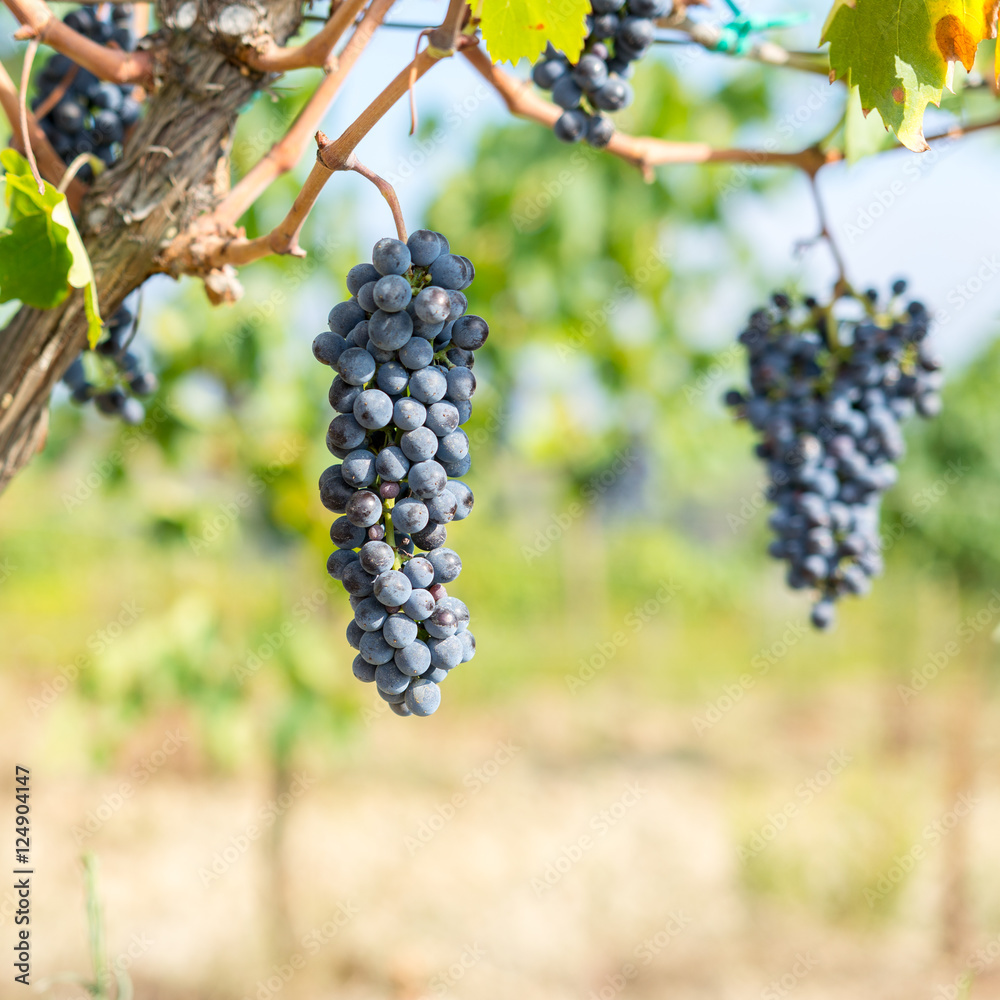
548	847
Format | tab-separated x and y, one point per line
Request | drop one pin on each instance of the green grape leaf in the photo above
897	53
41	252
34	262
519	29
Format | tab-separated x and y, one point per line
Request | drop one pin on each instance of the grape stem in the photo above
387	190
841	286
390	533
29	58
316	52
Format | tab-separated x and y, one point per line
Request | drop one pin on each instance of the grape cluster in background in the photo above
112	376
403	348
828	393
82	114
619	33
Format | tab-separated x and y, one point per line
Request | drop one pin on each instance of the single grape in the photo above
426	246
356	365
453	447
363	670
364	508
423	697
590	73
391	464
451	271
342	395
571	126
346	535
463	498
392	588
345	433
547	73
409	515
345	316
441	623
356	581
442	506
392	293
614	95
429	385
392	378
354	634
376	557
416	353
390	679
391	257
461	384
414	659
370	615
447	565
431	537
390	330
419	604
432	305
419	445
445	653
442	418
359	275
600	129
373	409
399	631
428	478
470	333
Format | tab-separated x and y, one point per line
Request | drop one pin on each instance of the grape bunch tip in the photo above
403	348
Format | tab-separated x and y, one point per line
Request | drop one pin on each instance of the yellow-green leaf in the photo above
81	274
897	53
519	29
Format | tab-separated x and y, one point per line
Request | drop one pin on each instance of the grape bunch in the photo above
116	376
402	347
620	32
828	393
83	114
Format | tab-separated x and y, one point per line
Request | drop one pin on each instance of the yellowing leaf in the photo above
81	274
519	29
897	53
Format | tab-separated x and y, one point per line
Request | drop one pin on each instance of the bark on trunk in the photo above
175	168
